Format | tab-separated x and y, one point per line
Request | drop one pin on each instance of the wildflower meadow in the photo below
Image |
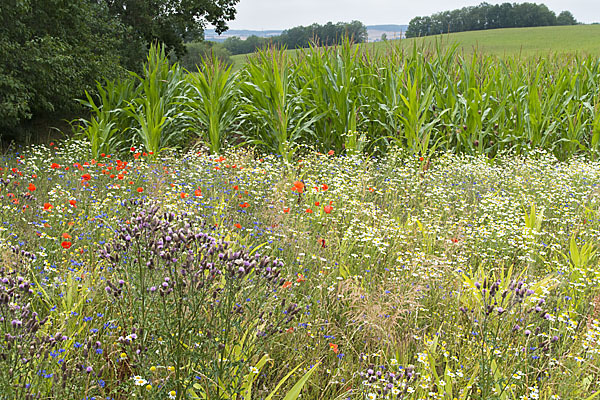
434	261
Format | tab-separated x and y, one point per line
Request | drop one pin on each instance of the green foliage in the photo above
45	66
170	22
198	52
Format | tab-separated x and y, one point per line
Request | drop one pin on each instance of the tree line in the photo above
300	36
488	16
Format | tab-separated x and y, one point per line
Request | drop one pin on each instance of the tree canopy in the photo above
487	16
301	36
52	51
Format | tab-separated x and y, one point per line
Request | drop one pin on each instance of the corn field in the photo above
349	100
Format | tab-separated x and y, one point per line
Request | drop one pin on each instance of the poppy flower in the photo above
66	236
183	195
236	187
31	187
73	202
140	190
327	209
238	226
334	347
66	244
286	285
324	187
421	159
331	152
298	187
286	210
86	177
197	192
244	205
309	211
300	278
47	206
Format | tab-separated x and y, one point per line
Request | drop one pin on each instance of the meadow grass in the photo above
196	276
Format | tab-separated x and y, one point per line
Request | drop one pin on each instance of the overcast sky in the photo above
283	14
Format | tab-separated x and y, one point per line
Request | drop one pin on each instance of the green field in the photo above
504	42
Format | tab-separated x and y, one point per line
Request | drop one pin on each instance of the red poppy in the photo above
238	226
334	347
286	285
236	187
47	206
308	210
197	192
317	203
183	195
331	152
66	236
73	202
421	159
86	177
66	244
244	205
140	190
286	210
327	209
324	187
298	187
31	187
300	278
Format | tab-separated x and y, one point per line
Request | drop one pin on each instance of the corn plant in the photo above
158	110
277	116
212	103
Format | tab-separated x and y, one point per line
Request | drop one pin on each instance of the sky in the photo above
284	14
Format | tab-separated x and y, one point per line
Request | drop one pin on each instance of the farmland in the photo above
524	42
409	224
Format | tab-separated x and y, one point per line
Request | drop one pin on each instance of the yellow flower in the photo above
153	368
148	387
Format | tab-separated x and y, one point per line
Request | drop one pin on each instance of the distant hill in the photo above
508	42
373	31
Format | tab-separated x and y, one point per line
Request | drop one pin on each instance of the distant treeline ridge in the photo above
488	16
300	36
